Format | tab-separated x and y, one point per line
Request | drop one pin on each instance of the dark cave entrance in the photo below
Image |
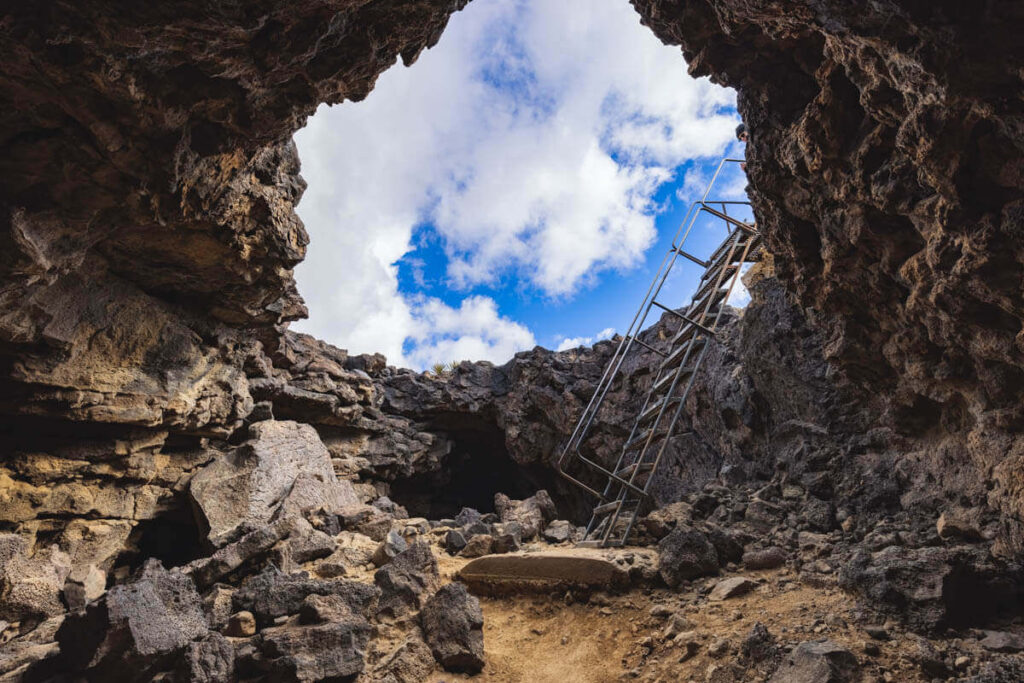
477	467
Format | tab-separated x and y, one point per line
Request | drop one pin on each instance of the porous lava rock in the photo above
452	624
282	471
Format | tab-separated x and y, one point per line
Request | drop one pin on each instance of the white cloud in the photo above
473	331
573	342
532	138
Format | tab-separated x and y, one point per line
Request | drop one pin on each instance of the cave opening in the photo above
477	467
173	538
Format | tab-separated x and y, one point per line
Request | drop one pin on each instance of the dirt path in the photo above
547	639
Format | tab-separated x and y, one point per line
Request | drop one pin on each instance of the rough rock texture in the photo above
136	628
453	628
818	662
885	170
865	409
283	471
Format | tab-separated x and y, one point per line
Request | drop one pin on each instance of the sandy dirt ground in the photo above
562	638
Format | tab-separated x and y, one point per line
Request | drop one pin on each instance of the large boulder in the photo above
933	587
135	629
686	554
321	652
452	624
532	514
283	470
272	594
818	662
407	580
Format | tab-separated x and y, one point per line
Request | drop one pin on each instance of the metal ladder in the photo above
627	482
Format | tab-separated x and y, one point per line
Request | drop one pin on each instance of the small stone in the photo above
677	624
454	541
877	632
1002	641
478	546
718	647
871	649
769	558
392	544
661	611
731	587
961	662
240	625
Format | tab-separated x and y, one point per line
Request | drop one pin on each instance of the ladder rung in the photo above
676	356
748	228
643	467
714	297
729	269
606	508
712	281
722	249
641	439
683	316
666	381
652	410
691	257
647	346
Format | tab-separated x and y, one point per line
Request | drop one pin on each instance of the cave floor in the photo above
659	634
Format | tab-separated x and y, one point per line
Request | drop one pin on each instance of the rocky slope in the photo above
154	409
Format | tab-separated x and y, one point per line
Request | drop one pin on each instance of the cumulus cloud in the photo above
573	342
473	331
530	140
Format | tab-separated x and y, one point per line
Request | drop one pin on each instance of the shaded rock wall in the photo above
886	171
148	226
147	236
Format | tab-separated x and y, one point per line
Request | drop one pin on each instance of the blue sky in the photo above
518	185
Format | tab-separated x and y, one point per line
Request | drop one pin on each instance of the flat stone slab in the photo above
545	569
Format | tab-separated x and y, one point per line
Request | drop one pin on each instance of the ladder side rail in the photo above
714	178
650	304
733	279
718	283
607	378
689	386
671	390
678	370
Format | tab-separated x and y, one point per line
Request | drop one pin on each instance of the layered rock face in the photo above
147	236
154	405
885	168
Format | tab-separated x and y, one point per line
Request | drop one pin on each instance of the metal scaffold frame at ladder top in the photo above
623	487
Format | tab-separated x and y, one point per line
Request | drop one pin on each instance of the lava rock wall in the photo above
886	167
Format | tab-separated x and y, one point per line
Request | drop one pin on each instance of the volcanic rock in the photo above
532	515
685	554
405	582
136	627
328	651
211	660
392	544
283	470
768	558
731	587
272	594
817	662
452	624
